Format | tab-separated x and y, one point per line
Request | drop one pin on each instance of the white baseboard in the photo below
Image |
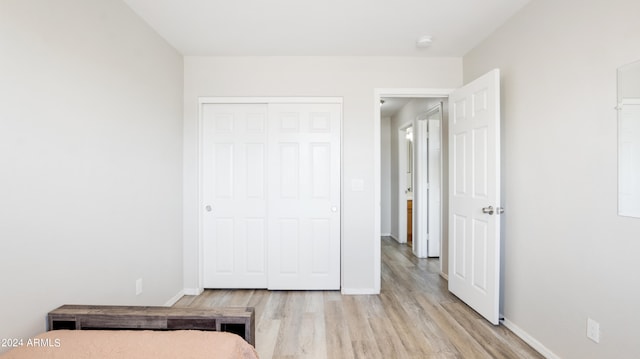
445	276
174	299
193	291
397	240
533	342
359	291
385	235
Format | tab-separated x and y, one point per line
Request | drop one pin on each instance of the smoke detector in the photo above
424	41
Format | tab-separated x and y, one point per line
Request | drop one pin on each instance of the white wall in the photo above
90	160
568	256
385	174
354	79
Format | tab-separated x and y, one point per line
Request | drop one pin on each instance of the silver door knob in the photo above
208	208
500	210
488	210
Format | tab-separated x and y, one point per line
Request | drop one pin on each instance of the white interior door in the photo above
235	195
427	189
474	189
434	155
304	185
420	189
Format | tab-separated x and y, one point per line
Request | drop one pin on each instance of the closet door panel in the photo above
304	188
234	224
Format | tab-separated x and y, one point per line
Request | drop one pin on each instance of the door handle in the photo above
488	210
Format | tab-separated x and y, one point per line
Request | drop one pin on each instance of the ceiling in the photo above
324	28
392	105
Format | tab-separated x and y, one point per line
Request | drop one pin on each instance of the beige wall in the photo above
354	79
567	255
90	160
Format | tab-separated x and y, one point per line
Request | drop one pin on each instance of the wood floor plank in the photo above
414	316
337	334
267	337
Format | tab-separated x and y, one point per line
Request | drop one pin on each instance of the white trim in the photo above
385	235
201	204
432	110
527	338
174	299
412	92
359	291
342	251
377	94
193	291
267	100
444	275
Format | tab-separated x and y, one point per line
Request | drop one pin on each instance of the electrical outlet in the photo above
593	330
139	286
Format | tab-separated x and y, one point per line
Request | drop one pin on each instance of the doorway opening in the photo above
412	170
474	256
403	164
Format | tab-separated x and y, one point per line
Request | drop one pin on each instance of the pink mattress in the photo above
107	344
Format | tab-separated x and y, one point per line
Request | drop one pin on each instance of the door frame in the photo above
402	183
378	93
435	225
205	100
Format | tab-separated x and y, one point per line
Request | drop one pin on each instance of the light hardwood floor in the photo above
413	317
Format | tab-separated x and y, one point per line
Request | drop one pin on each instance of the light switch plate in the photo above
593	330
139	286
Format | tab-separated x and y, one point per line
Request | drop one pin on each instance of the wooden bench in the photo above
239	321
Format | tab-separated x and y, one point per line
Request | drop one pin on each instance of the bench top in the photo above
115	310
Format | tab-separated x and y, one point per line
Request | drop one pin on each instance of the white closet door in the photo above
304	203
234	189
